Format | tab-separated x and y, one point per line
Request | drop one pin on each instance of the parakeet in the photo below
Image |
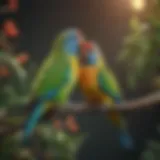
99	86
56	77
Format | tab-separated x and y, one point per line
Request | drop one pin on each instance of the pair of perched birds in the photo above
74	60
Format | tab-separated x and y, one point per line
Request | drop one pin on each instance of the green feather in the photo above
106	80
108	83
54	76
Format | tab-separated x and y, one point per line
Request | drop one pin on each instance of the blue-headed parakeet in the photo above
100	86
56	77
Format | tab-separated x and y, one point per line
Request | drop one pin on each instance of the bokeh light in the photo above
138	5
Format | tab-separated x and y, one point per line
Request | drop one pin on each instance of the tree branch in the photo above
144	102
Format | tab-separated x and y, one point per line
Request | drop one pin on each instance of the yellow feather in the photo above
75	65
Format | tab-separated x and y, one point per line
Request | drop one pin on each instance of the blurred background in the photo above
128	31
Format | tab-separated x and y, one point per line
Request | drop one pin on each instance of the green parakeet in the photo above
56	77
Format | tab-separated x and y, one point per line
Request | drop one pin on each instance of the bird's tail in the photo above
118	120
33	120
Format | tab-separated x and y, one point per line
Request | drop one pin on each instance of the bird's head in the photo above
88	55
72	38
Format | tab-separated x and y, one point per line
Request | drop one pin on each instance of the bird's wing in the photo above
108	84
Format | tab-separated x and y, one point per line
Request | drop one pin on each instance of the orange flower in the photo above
71	124
10	28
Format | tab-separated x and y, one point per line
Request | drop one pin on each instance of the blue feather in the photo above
92	59
117	100
37	113
71	45
50	95
126	140
35	116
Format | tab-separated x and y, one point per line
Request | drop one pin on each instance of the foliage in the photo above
152	150
141	51
141	54
47	143
135	52
14	85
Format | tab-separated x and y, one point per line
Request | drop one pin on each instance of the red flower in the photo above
71	124
22	58
13	5
10	29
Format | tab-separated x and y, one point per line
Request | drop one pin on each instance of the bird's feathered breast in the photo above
88	76
89	84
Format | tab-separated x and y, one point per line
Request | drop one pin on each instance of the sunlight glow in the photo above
138	5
